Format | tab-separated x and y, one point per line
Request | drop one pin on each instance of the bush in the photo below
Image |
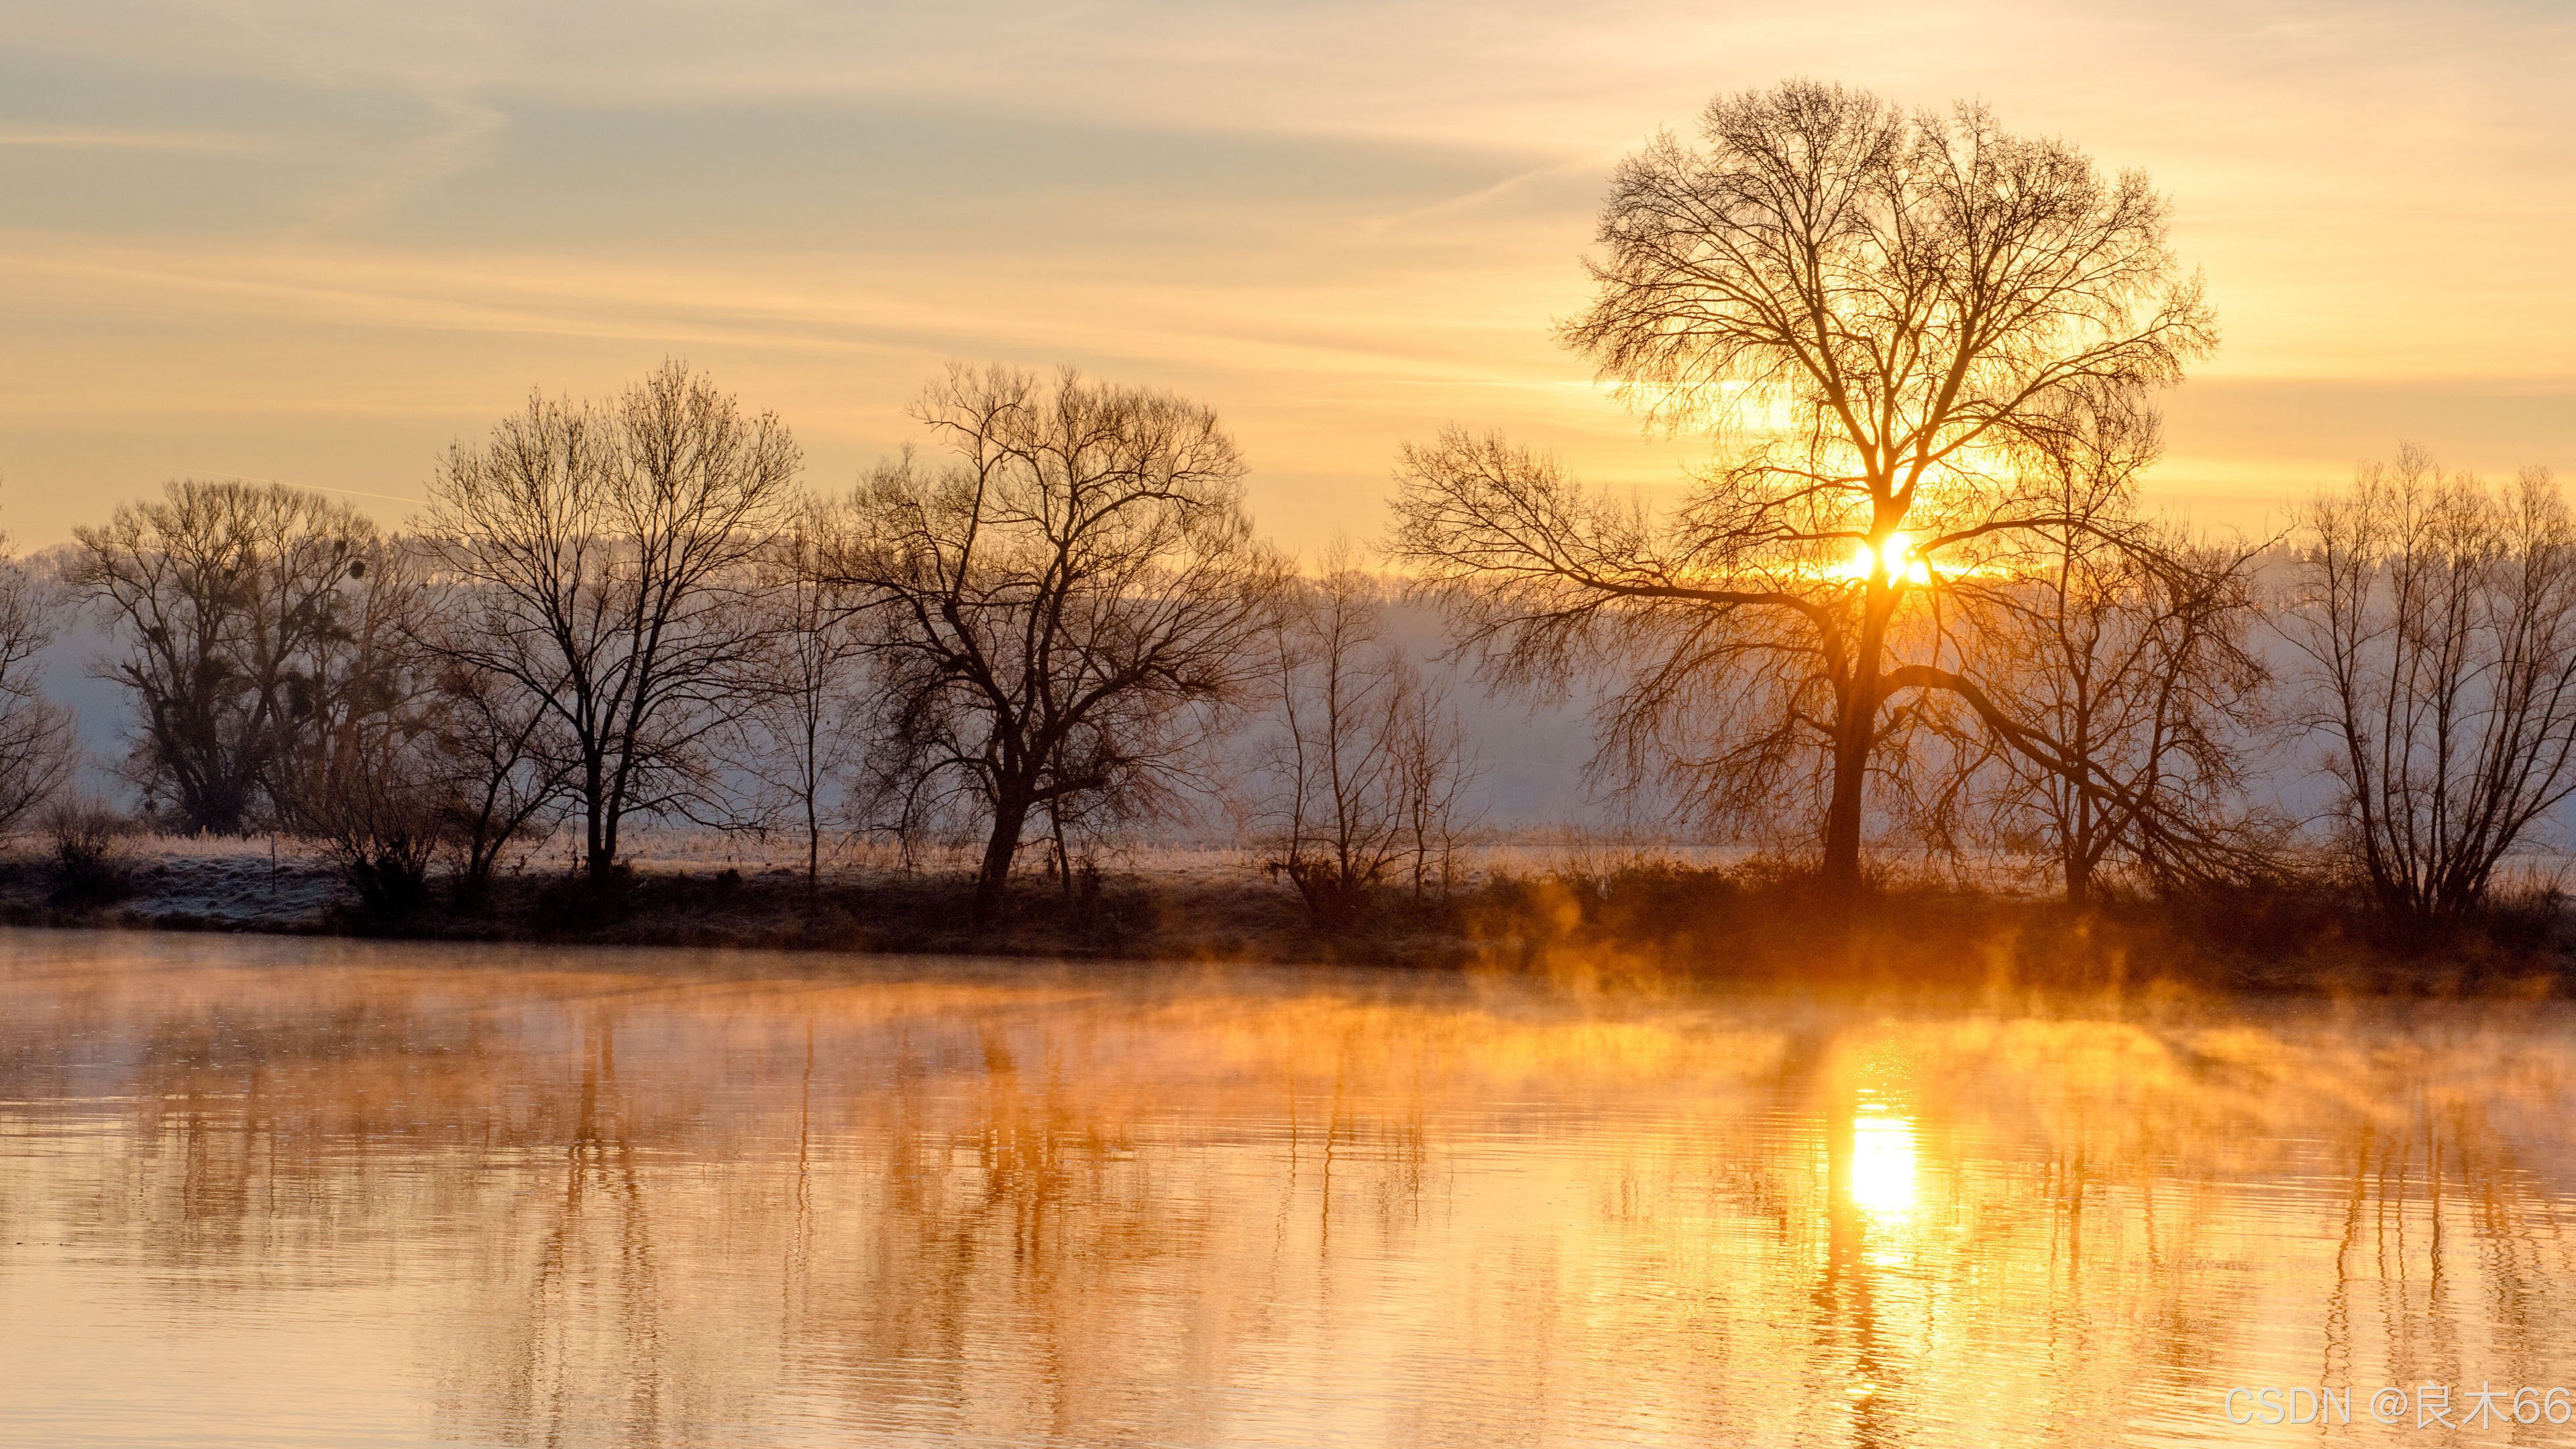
374	805
87	835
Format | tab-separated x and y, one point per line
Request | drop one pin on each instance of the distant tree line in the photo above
1912	602
1046	632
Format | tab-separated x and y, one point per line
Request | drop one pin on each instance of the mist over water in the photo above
274	1192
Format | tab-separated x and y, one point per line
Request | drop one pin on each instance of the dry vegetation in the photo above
1609	914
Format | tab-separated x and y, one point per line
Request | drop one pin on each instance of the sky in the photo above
315	242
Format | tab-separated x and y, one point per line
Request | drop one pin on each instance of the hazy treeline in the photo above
1910	602
1050	628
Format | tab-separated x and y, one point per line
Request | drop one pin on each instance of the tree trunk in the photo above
1843	814
1855	735
474	883
1010	817
2079	857
594	862
812	781
813	853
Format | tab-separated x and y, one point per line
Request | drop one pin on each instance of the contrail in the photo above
317	487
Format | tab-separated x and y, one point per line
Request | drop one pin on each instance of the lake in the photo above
277	1192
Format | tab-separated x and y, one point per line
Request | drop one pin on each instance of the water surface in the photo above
262	1192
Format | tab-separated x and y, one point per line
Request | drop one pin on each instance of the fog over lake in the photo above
261	1191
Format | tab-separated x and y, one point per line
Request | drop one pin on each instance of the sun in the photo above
1896	554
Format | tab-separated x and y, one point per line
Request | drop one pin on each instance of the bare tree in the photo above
799	735
1872	310
492	755
359	776
1436	764
2132	653
1058	617
1364	761
370	792
2440	619
501	765
368	663
601	557
421	754
235	601
38	751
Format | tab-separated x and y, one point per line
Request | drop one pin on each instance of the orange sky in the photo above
315	241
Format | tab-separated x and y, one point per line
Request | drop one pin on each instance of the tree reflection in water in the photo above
503	1196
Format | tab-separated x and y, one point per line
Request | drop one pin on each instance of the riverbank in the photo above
1613	920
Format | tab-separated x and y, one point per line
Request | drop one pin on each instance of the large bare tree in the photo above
1058	615
600	554
2439	618
235	602
1872	310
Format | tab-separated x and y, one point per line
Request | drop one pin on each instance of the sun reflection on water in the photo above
1882	1167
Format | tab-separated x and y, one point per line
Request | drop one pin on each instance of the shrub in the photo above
86	834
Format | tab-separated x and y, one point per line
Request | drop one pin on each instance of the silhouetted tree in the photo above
2131	650
38	751
2439	618
600	556
361	778
1057	617
371	792
1874	310
235	603
503	767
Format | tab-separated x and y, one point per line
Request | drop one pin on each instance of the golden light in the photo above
1896	554
1882	1167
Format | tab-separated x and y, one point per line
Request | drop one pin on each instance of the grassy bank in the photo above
1637	922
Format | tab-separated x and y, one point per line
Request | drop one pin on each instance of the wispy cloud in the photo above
414	499
468	126
1343	222
93	138
1590	162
